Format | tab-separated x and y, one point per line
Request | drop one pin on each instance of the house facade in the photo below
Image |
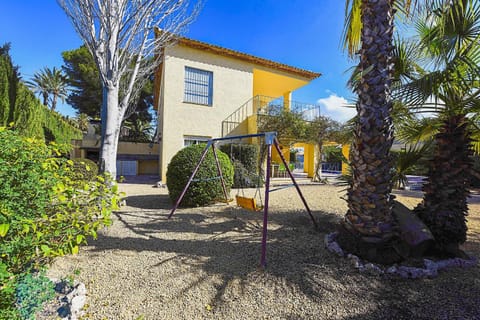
133	158
204	91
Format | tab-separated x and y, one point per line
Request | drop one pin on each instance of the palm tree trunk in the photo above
369	218
54	102
444	205
45	98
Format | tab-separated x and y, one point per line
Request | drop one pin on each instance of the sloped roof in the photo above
307	74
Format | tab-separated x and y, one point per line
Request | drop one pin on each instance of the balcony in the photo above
244	119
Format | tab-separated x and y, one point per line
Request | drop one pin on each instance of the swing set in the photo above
242	201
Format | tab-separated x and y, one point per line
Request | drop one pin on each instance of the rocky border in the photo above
68	303
430	270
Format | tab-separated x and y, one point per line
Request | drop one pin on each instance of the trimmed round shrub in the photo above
83	169
206	188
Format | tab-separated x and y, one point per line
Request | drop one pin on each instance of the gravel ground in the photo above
203	264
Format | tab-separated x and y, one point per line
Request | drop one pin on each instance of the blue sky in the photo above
302	33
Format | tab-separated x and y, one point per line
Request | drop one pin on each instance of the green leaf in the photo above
4	229
46	249
80	238
75	249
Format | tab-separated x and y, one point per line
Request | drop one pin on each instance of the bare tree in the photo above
121	36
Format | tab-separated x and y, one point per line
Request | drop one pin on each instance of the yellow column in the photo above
346	154
287	97
309	160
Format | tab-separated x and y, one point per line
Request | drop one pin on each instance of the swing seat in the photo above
247	203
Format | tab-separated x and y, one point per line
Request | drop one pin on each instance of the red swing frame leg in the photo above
219	170
263	258
177	203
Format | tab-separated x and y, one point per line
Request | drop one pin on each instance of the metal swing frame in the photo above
270	140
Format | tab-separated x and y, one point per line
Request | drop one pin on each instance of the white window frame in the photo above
190	140
198	86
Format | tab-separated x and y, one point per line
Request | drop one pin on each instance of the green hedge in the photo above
18	105
245	161
206	188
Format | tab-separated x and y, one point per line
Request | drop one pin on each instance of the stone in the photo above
392	270
63	311
332	245
373	269
413	231
81	290
429	270
77	305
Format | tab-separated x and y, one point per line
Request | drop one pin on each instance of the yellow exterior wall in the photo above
276	157
126	147
137	148
148	167
274	83
346	154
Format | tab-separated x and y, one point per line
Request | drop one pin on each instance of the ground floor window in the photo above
189	140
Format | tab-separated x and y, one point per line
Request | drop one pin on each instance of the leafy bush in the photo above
243	178
206	187
44	213
245	159
32	291
84	169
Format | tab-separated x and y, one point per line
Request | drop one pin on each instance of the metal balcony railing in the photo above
273	106
267	106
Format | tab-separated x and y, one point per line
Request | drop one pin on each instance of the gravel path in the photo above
203	264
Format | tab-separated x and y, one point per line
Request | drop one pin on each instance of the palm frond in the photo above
417	130
351	35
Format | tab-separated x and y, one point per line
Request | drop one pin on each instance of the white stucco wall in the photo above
232	87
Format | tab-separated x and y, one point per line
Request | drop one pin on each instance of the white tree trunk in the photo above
125	38
111	123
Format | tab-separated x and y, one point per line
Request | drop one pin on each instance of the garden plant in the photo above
45	212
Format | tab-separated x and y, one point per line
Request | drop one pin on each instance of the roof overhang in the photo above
195	44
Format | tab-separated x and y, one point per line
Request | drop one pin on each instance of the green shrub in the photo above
206	188
19	105
245	161
43	212
33	289
243	178
84	169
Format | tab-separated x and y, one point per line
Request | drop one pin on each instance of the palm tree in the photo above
39	85
450	86
57	86
369	229
138	130
48	82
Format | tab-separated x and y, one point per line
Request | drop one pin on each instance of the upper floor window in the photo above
198	86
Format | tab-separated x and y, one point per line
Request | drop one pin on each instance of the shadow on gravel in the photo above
162	201
226	243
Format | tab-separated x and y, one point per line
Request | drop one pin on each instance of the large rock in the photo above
413	232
